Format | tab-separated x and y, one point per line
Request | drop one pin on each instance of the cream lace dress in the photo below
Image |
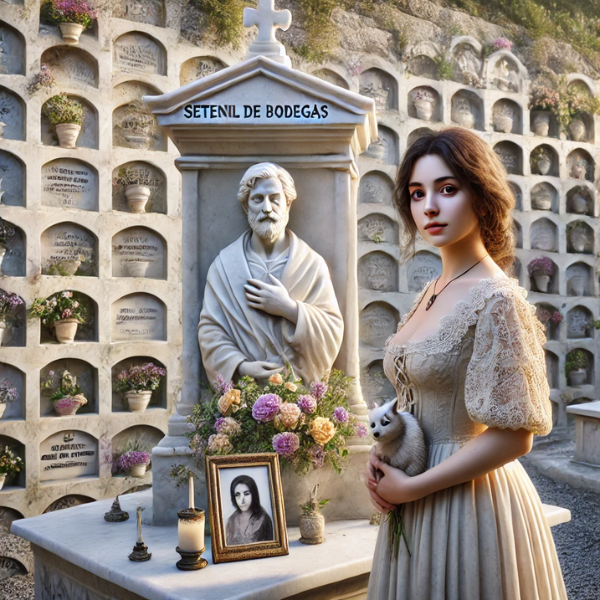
487	539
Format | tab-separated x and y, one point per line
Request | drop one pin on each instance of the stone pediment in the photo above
260	102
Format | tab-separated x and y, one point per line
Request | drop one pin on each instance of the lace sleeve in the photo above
506	383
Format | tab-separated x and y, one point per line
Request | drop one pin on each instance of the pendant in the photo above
431	301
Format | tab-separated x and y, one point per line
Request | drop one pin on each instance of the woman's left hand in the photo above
395	486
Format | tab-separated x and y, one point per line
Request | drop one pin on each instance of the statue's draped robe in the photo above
231	332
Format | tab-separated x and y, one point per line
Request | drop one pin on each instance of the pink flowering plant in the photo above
540	266
62	389
69	11
307	427
43	79
10	462
9	303
139	378
8	391
60	306
501	43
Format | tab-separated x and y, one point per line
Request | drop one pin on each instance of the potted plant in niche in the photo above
312	522
6	231
576	367
137	384
72	16
541	160
64	392
580	101
543	101
66	267
424	102
66	114
579	234
8	393
503	118
62	312
579	203
137	183
541	269
9	303
134	459
10	464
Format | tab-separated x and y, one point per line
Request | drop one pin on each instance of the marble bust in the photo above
269	298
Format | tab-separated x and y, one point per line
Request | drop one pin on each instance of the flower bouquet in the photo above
8	393
64	392
66	114
72	16
9	303
138	383
9	463
62	312
134	460
306	427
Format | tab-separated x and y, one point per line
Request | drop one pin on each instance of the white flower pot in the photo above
2	408
138	470
3	329
138	401
312	528
424	109
137	268
541	123
2	254
503	123
70	266
541	202
2	480
579	204
541	282
71	32
65	330
577	130
466	120
67	134
577	284
577	377
543	166
137	197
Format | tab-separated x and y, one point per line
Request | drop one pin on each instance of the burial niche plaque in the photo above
138	317
199	67
68	183
68	454
139	53
68	249
138	252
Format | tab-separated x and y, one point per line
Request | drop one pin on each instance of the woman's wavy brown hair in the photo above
474	163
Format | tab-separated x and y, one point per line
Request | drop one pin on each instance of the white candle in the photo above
139	510
191	534
191	491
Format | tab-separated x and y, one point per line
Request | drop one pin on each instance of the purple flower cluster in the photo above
266	407
286	444
134	457
319	389
307	404
8	392
66	403
139	378
502	43
221	386
317	456
9	302
340	414
70	11
361	429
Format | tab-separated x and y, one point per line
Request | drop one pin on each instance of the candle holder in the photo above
140	550
191	533
115	514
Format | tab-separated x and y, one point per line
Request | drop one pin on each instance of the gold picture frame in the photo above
247	515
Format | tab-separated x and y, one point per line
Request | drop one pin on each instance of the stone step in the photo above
556	514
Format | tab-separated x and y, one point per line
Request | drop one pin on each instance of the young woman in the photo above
468	361
250	522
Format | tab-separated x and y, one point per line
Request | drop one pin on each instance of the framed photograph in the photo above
247	516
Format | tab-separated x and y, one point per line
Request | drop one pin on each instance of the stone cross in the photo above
268	20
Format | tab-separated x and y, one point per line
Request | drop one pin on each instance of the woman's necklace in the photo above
433	298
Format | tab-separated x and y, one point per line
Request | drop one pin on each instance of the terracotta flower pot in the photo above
577	377
2	480
312	528
541	282
138	401
137	268
65	330
2	254
138	470
71	32
577	130
137	197
541	123
67	134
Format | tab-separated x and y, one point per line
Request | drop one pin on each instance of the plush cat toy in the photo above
401	444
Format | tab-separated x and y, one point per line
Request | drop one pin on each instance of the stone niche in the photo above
10	567
507	117
139	252
88	138
544	313
518	194
145	435
68	502
423	65
380	86
375	188
518	233
505	73
511	156
580	323
377	321
141	11
378	228
376	387
580	200
139	53
16	379
332	77
378	271
424	267
71	66
580	165
134	126
544	235
68	454
87	380
552	372
12	50
415	134
69	183
544	196
466	56
385	148
13	264
580	237
544	161
15	334
7	516
159	396
466	110
138	317
69	249
12	180
580	280
424	103
139	173
199	67
85	333
12	115
14	479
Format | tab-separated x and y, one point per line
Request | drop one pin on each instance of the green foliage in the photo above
445	67
62	109
321	34
224	20
576	360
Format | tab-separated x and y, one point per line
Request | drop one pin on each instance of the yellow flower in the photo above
289	414
322	430
290	386
276	379
219	443
229	402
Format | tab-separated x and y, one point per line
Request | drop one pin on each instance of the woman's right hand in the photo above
372	478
